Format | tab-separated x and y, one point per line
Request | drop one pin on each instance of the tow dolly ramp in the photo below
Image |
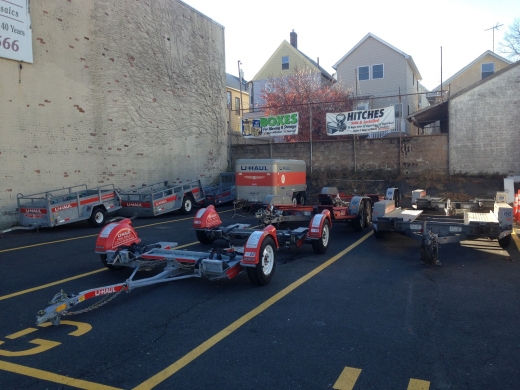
432	230
119	246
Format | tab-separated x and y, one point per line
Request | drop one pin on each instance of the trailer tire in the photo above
360	221
203	238
320	246
300	198
109	266
379	234
187	205
98	217
504	241
262	273
368	213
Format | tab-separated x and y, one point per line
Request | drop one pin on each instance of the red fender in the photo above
116	234
254	243
316	224
206	218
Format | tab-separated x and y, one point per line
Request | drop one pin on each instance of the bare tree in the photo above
511	42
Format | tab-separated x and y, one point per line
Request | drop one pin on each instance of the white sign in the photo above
271	126
361	121
15	30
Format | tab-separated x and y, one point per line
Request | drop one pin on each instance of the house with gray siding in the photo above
380	76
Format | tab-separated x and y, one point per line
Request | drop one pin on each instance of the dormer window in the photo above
488	69
285	62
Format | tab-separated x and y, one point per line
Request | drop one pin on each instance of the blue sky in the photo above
329	29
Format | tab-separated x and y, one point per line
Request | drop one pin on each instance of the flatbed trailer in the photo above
433	230
160	198
355	210
66	205
208	228
119	246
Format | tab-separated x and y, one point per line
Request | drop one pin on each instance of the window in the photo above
363	73
488	69
237	105
228	93
413	78
285	62
377	71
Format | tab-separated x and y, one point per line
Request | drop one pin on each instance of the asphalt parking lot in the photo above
364	315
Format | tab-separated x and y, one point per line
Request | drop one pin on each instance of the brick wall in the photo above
485	125
96	107
416	154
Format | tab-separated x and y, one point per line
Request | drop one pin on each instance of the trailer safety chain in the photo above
103	301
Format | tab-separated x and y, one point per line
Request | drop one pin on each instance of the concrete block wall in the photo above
416	154
485	125
95	108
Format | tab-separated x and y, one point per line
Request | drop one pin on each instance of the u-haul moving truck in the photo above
258	178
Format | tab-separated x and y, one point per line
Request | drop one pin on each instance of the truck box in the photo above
257	178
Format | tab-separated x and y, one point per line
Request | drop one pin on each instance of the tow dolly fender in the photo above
207	218
355	202
116	234
316	224
254	243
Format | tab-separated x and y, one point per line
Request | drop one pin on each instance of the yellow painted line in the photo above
50	377
205	346
21	333
81	327
516	239
417	384
42	346
93	235
347	379
69	279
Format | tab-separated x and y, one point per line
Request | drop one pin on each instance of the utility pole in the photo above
494	28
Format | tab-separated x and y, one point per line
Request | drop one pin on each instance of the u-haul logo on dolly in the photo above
123	237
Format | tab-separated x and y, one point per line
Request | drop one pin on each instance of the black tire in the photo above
301	198
379	234
504	241
187	205
203	238
262	273
98	217
320	246
368	213
359	222
109	266
294	201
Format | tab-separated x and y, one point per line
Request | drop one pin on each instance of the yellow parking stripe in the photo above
347	379
195	353
417	384
49	376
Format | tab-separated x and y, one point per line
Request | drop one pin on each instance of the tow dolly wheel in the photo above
98	217
262	273
504	241
320	246
109	266
368	213
187	205
359	222
203	238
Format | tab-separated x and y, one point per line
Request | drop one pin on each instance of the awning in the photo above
431	114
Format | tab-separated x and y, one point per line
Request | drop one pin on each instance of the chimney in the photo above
294	39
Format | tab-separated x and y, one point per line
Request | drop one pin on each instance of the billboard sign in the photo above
361	121
271	126
15	30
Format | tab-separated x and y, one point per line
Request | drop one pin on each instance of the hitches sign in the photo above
15	30
271	126
361	121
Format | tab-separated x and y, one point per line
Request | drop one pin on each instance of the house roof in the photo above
370	35
234	82
487	52
298	53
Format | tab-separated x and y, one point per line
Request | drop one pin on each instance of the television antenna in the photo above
494	28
